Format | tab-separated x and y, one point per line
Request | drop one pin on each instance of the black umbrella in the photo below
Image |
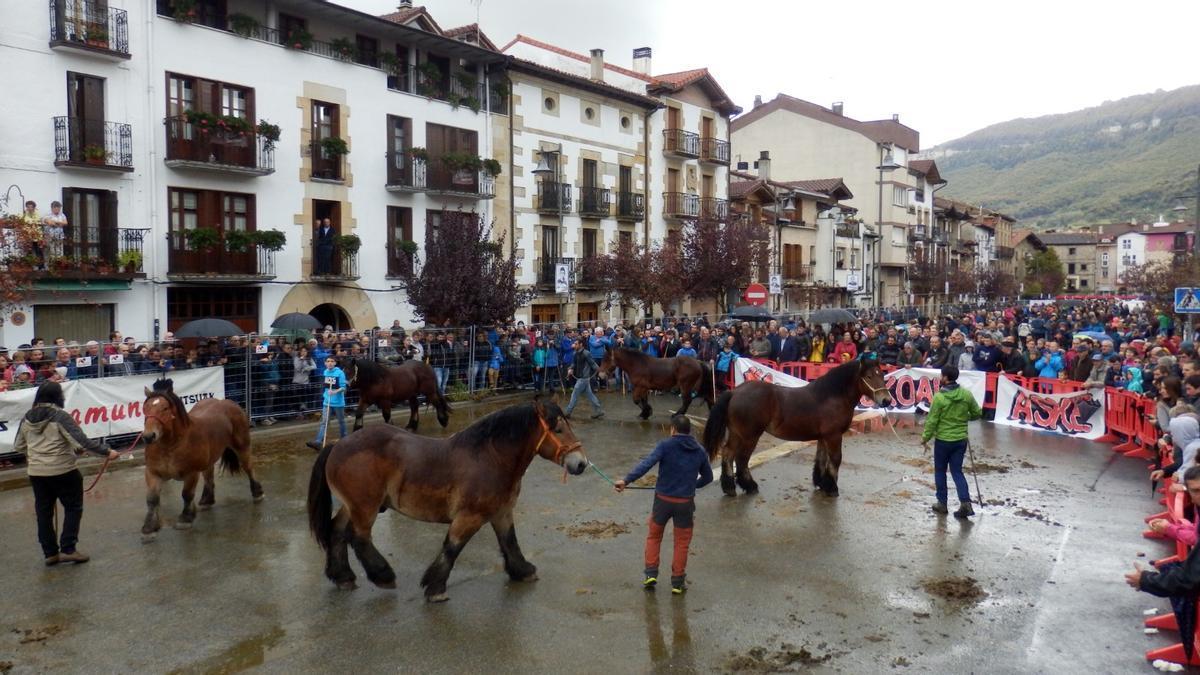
750	313
832	315
297	321
202	328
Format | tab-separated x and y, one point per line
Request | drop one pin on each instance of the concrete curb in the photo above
89	465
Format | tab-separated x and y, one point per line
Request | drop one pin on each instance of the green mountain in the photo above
1122	159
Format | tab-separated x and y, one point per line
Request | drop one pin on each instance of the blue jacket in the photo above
334	378
680	460
686	351
726	360
596	347
1049	365
566	350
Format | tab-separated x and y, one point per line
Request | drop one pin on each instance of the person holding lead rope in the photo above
952	408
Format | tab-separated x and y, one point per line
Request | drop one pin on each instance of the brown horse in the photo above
182	445
467	480
649	373
385	385
821	411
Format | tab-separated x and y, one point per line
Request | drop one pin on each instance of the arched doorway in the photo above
330	314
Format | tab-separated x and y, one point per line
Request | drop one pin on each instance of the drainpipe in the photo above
646	180
151	261
512	180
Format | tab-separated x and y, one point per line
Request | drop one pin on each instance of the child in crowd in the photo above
334	402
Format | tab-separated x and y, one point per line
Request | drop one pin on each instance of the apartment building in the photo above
892	195
579	183
1077	251
1026	244
815	243
212	139
685	143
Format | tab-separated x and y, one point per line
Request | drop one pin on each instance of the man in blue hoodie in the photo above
682	469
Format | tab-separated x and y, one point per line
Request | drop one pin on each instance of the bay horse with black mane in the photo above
821	412
467	480
182	445
649	373
387	385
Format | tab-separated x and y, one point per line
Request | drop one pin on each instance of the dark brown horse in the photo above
649	373
468	480
388	385
821	412
182	445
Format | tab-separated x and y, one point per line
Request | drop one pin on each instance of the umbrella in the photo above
297	321
1095	335
750	313
832	315
202	328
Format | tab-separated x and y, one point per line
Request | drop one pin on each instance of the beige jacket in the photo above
49	439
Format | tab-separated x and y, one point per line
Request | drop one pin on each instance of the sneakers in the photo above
73	556
599	415
651	581
52	560
678	585
268	421
940	508
964	511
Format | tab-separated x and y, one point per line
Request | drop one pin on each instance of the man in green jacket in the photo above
952	408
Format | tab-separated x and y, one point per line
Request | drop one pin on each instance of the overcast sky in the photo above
946	67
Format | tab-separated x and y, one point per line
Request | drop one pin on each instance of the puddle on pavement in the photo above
244	655
958	591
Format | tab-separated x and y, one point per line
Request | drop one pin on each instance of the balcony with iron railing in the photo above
714	209
714	150
400	260
939	237
90	27
193	145
548	268
186	262
552	197
405	173
325	165
918	233
678	205
847	230
81	253
92	144
796	271
631	206
681	143
334	262
442	180
595	202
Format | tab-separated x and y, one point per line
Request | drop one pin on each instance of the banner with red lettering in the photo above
110	406
1079	414
748	370
912	389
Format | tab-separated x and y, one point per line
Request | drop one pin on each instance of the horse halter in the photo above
874	390
560	450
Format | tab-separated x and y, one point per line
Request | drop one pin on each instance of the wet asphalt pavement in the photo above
783	580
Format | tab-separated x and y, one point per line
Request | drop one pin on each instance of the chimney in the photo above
764	165
598	65
895	117
641	60
404	4
837	107
757	100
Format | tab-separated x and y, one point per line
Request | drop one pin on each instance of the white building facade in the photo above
147	127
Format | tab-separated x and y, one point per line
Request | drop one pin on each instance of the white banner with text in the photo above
1079	414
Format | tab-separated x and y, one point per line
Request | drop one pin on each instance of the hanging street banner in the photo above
1079	414
912	389
109	406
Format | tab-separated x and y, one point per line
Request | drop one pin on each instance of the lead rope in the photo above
107	461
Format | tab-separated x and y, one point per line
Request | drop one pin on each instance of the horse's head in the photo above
162	412
557	441
871	383
349	366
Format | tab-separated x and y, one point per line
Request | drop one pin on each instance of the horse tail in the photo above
706	381
442	405
230	462
320	502
717	424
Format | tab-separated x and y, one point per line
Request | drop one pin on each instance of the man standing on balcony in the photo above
323	245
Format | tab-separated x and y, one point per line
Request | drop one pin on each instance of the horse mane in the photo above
635	354
165	389
506	428
838	381
368	372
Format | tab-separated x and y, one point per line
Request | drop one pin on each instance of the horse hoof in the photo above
437	597
180	525
149	538
258	498
346	585
205	507
386	584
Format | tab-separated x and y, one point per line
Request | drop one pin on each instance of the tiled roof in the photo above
407	14
682	78
741	188
573	55
471	29
602	88
830	188
928	168
823	185
1068	238
880	131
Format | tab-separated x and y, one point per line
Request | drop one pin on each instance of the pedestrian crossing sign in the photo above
1187	300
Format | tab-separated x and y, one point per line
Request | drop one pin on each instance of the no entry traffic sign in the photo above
756	294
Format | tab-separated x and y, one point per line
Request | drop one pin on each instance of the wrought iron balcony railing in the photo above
90	143
191	145
681	143
714	150
631	206
334	263
552	197
595	202
405	173
461	182
90	26
186	261
715	209
548	268
681	205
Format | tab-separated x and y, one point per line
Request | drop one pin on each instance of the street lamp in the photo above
1180	208
546	172
888	164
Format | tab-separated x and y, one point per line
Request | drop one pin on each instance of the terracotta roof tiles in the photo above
880	131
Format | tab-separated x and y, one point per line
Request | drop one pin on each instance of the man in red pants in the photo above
681	460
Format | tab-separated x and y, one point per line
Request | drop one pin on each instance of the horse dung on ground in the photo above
821	412
467	480
386	386
182	445
648	374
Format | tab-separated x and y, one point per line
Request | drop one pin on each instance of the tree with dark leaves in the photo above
465	278
719	256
